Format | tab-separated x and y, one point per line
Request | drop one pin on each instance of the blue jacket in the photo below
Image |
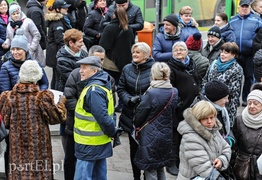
2	36
154	150
162	46
9	75
245	30
227	33
187	29
96	103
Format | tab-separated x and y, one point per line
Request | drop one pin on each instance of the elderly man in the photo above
135	18
245	26
164	40
94	121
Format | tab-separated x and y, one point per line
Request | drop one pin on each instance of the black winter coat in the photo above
212	55
154	150
66	63
36	13
55	40
257	41
134	81
92	23
185	79
258	65
117	43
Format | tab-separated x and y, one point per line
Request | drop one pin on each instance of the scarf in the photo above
252	121
173	36
67	20
224	116
223	66
185	62
71	52
160	84
5	18
16	24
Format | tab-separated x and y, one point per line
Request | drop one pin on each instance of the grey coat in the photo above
200	147
33	36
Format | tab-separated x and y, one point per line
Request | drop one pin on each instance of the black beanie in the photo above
215	90
214	31
172	18
120	1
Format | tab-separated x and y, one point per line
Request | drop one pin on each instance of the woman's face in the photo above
222	102
209	121
16	16
76	47
3	7
101	3
63	11
139	56
219	22
254	106
226	56
186	18
18	53
258	8
180	53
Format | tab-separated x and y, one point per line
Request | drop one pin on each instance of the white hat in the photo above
30	71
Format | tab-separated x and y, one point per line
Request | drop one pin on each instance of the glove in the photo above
62	99
230	140
134	101
117	141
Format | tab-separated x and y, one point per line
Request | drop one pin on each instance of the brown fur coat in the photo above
27	112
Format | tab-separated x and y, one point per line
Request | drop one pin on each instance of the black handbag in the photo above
3	130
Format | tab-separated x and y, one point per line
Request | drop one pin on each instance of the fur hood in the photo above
53	16
191	124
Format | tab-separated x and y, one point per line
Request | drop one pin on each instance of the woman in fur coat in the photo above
202	147
27	112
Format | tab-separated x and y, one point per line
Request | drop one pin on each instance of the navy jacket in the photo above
2	36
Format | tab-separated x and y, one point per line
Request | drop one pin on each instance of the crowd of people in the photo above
177	100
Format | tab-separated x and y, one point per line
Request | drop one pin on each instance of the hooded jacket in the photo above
95	102
200	147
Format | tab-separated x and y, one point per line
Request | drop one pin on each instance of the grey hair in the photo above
180	43
96	48
160	71
144	47
95	67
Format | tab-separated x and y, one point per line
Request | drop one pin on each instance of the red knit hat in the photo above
194	42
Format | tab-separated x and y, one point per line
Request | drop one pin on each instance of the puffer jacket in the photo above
214	53
245	141
3	26
257	41
92	23
154	150
258	65
9	75
245	30
134	81
200	147
162	46
227	33
55	40
202	63
187	29
66	63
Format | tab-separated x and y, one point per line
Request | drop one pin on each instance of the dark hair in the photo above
257	86
7	5
223	16
230	47
121	15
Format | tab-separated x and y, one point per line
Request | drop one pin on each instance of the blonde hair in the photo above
142	46
202	109
186	10
160	71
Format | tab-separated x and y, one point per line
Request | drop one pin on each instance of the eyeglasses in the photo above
179	50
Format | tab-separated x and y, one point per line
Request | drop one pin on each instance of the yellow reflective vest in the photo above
86	129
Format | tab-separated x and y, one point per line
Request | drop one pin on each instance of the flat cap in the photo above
92	60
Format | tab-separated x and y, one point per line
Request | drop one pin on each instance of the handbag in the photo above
138	129
3	130
243	162
213	175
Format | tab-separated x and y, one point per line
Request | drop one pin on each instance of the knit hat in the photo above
30	71
92	60
172	18
255	95
20	41
194	42
120	1
216	90
13	8
214	31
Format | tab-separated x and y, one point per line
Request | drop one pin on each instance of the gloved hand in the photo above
134	101
117	141
230	140
62	99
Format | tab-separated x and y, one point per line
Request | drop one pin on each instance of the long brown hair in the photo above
121	15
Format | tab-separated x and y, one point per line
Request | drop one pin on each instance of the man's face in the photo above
244	10
86	71
101	55
124	5
169	28
212	40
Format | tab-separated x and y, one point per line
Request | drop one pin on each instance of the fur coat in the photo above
27	112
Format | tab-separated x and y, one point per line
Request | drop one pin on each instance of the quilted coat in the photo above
154	150
200	147
27	112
